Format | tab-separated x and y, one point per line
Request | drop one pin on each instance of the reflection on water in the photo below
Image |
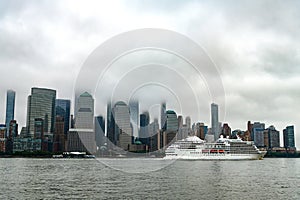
98	179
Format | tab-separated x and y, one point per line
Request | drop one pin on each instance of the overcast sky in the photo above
254	44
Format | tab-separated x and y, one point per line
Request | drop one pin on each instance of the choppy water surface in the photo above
148	179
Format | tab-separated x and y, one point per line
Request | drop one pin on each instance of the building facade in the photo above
215	121
62	109
289	137
41	104
10	108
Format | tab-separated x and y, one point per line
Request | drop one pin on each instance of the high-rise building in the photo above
144	126
226	130
172	121
10	108
2	138
13	129
273	137
215	121
153	133
41	104
134	116
289	137
257	134
84	112
110	126
38	128
163	116
123	129
100	131
188	122
62	109
59	135
200	130
82	137
180	121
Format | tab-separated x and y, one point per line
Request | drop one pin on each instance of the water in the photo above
91	179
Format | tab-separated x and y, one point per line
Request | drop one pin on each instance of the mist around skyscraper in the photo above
124	129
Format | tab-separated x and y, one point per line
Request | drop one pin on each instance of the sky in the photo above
255	46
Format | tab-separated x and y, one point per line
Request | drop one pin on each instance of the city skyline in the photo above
256	53
121	115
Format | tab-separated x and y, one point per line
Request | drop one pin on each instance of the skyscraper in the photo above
110	125
273	137
123	130
172	121
100	131
10	108
188	122
134	116
82	138
84	112
215	121
289	137
144	128
62	109
41	104
163	116
257	134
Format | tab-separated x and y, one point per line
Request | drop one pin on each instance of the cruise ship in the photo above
193	148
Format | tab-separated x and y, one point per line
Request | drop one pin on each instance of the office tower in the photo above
84	112
188	122
172	121
10	108
273	137
110	126
2	138
153	133
38	128
163	116
144	132
59	135
72	121
257	134
289	137
180	122
249	127
200	130
266	138
134	116
100	131
226	130
123	130
41	104
82	138
13	129
215	121
62	109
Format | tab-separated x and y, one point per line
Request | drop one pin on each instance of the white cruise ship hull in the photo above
197	155
217	157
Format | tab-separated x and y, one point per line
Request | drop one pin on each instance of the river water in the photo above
146	178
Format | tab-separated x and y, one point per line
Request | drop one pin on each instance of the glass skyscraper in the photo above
172	121
10	108
215	121
62	109
289	137
41	104
134	116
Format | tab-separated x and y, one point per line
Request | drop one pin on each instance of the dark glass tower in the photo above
62	109
10	108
